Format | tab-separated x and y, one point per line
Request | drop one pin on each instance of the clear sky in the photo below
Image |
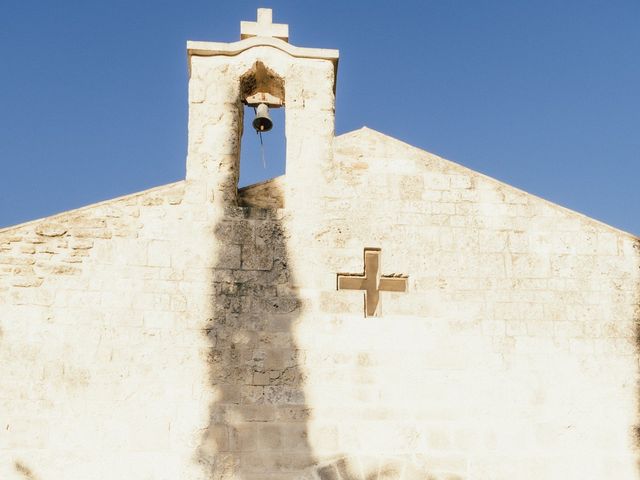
543	95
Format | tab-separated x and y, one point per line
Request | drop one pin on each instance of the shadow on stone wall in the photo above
258	422
258	419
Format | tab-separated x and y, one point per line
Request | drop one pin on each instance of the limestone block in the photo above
257	255
230	257
530	266
159	253
51	230
493	241
437	181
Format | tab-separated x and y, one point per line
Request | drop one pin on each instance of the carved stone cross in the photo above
264	27
372	282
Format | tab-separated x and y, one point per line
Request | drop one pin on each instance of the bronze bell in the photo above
262	122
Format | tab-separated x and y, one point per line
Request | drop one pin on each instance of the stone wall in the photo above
259	414
174	334
513	355
158	336
103	360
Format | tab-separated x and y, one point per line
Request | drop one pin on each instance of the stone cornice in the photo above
210	49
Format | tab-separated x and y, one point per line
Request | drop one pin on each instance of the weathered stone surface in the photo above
176	334
51	230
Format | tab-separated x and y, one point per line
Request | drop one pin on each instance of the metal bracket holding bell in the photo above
261	97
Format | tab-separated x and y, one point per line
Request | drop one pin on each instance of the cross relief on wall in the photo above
372	282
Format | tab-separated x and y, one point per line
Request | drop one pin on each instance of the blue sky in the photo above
543	95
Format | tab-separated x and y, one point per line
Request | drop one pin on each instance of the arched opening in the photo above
263	154
262	159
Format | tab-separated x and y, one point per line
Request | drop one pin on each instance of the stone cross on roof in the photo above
264	27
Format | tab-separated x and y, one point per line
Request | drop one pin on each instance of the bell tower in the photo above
260	69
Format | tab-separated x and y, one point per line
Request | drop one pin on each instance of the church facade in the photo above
378	312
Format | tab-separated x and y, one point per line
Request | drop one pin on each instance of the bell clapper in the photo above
264	162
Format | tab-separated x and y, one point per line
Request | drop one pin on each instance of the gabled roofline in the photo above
458	166
91	206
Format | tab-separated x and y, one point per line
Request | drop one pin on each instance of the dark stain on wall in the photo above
258	421
25	471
